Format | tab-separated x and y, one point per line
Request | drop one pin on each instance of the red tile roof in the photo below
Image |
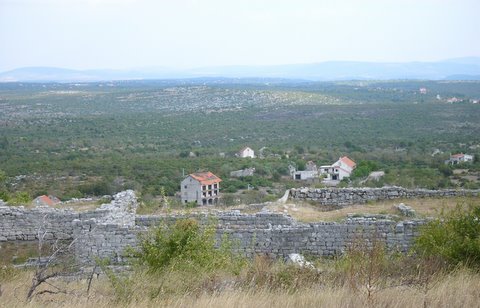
457	155
347	161
45	200
206	178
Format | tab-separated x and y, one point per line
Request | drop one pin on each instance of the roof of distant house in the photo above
46	200
347	161
206	178
457	155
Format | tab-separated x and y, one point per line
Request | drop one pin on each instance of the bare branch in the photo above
51	292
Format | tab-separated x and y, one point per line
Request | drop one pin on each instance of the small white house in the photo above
459	158
246	152
341	169
201	187
310	172
305	175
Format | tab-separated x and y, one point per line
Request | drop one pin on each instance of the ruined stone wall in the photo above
325	239
349	196
103	241
106	232
271	234
21	224
223	220
18	223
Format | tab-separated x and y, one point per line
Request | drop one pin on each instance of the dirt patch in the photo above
425	207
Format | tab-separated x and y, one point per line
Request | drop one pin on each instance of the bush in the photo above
99	188
19	198
185	246
455	236
364	168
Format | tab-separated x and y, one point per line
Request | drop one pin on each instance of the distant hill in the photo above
459	68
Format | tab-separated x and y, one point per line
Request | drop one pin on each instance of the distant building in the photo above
341	169
454	100
246	152
44	200
423	90
242	173
459	158
310	172
201	187
305	175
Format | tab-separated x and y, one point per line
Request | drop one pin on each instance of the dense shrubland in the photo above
76	140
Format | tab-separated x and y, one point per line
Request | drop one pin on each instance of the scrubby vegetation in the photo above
73	140
454	237
179	266
186	246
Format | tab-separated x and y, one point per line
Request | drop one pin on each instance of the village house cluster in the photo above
203	188
459	158
331	174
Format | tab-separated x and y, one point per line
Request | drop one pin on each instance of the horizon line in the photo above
178	68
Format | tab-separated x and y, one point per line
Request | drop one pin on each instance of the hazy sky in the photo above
85	34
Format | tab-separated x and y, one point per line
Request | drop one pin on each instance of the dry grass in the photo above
459	289
308	212
424	207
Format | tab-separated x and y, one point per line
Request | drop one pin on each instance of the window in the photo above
186	201
185	186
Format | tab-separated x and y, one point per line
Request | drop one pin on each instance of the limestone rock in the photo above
405	210
298	259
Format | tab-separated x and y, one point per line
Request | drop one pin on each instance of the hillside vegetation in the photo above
73	140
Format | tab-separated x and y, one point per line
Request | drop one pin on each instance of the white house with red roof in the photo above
246	152
201	187
341	169
459	158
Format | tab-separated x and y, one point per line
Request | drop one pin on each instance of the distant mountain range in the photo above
452	69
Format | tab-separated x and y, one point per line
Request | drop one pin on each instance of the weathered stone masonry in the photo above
278	235
21	224
107	231
349	196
